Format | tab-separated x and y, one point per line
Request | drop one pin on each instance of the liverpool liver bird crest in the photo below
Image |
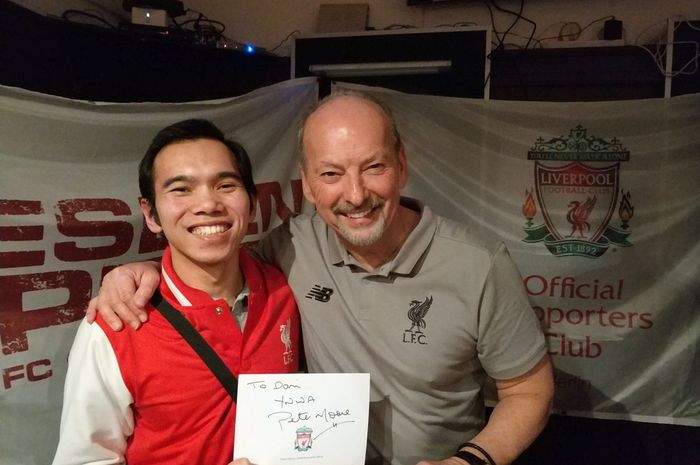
417	312
285	335
578	215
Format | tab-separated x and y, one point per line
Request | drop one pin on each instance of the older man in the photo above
385	286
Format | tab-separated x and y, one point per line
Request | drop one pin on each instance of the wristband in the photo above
470	458
489	460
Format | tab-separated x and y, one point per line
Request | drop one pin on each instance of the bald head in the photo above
349	111
353	169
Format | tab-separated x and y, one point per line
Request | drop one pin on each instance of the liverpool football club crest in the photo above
286	337
416	314
303	441
578	195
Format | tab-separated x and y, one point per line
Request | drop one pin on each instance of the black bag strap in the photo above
194	339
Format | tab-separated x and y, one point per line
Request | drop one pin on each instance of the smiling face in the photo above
201	204
353	172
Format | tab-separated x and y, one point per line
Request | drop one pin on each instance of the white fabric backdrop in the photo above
68	210
619	299
623	322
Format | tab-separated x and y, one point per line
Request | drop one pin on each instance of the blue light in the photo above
249	48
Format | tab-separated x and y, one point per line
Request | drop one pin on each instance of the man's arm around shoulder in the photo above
124	293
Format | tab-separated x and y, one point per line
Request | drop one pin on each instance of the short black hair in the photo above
189	130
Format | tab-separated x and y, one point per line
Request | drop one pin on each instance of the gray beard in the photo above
376	231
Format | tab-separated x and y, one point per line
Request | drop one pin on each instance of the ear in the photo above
308	193
253	207
403	167
150	216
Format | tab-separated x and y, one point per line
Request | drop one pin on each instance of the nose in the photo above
207	201
355	189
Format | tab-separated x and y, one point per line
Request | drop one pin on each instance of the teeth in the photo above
358	214
209	230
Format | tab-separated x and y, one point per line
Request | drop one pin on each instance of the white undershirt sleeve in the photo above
97	418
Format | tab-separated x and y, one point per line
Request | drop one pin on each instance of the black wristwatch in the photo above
470	458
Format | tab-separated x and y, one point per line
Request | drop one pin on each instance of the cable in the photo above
486	81
518	16
543	38
206	31
571	35
459	24
68	13
604	18
295	31
662	47
659	36
682	70
493	23
575	35
201	18
392	27
690	25
536	42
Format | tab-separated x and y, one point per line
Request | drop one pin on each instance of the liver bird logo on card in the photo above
303	440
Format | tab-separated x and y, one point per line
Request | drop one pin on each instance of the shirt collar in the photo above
189	296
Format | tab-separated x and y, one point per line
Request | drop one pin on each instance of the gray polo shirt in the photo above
428	326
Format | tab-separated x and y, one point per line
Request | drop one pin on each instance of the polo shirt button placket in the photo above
219	310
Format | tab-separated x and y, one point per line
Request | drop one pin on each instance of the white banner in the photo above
599	204
69	212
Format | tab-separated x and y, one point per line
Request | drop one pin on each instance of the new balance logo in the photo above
322	294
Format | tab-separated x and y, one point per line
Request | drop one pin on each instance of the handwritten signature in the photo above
328	416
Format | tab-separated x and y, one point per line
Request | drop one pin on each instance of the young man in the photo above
385	286
145	397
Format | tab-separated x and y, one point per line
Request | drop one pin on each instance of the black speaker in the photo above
612	29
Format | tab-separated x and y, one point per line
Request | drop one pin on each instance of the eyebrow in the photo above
185	178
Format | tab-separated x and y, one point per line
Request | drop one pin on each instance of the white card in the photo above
302	418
